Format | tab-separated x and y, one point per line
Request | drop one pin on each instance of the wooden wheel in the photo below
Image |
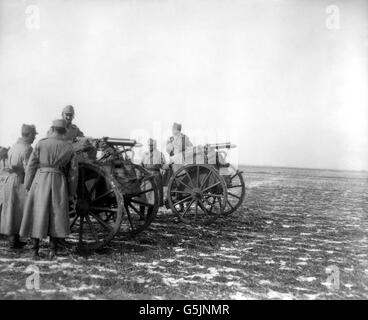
235	190
141	202
99	209
197	193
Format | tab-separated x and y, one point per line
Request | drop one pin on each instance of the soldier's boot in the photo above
53	248
15	243
36	248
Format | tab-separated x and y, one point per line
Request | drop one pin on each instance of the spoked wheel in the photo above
141	202
235	190
99	209
197	193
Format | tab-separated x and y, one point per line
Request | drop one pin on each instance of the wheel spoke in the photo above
141	202
130	220
134	208
198	177
182	200
95	184
190	179
178	191
214	195
184	184
234	195
230	204
237	186
81	229
214	185
92	228
103	209
103	223
103	195
74	221
205	179
232	177
187	208
140	193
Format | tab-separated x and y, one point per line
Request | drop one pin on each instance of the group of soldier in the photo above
37	184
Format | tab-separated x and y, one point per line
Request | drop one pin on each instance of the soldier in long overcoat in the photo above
13	193
51	178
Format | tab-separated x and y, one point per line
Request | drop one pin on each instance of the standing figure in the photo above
154	161
13	193
179	142
72	131
51	178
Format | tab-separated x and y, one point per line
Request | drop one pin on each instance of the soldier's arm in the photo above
80	133
188	143
32	166
169	146
27	155
73	175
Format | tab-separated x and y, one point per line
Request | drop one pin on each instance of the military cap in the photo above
59	123
68	109
28	129
177	126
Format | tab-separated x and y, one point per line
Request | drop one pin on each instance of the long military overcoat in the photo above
12	193
51	176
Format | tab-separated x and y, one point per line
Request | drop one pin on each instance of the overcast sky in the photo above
284	79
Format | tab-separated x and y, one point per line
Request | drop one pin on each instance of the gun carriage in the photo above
204	185
115	195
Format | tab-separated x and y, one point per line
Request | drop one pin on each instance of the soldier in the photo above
72	131
51	178
179	142
13	191
154	161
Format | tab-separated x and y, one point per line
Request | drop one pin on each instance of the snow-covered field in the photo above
296	226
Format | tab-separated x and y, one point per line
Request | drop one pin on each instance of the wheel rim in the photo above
141	205
235	191
99	209
197	193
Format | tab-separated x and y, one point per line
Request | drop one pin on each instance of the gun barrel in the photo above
121	142
225	145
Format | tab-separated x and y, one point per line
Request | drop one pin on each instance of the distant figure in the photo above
51	178
3	157
179	142
13	193
72	131
154	161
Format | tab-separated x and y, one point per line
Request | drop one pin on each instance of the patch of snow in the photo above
279	295
240	296
312	296
306	279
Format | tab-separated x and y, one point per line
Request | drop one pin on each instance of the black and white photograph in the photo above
196	150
